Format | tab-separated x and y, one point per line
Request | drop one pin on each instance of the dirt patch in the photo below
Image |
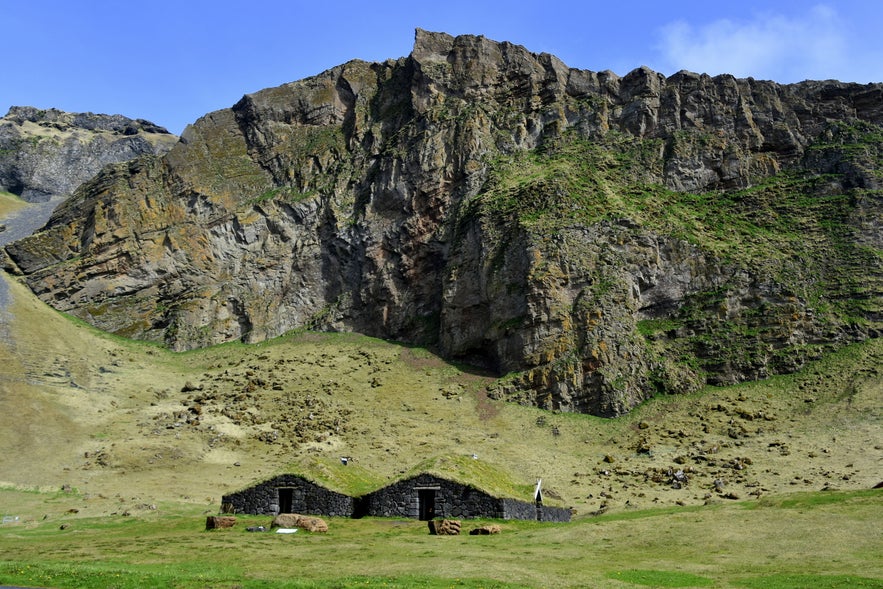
487	410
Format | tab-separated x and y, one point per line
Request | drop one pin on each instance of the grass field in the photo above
804	540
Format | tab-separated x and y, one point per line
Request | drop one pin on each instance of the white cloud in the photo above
812	45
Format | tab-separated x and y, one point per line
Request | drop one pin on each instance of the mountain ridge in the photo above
598	238
47	153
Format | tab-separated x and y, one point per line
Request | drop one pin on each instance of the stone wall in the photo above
451	500
515	509
553	514
306	497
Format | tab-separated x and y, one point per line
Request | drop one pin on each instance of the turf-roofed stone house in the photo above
432	492
289	493
427	496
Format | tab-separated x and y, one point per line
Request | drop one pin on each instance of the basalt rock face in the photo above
46	153
596	238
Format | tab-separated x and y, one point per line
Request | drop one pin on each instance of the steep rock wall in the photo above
598	238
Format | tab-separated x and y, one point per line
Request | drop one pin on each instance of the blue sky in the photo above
173	61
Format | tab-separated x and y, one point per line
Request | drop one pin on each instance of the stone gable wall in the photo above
452	500
306	497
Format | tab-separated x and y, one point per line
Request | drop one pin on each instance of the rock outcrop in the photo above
596	238
47	153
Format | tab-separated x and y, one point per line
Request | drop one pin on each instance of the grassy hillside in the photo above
9	203
115	417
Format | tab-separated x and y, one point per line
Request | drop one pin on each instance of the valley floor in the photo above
829	540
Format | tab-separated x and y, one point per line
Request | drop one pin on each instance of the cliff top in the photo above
60	120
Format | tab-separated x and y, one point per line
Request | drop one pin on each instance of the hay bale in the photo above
444	527
304	522
486	530
218	522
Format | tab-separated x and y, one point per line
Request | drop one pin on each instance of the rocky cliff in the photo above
597	239
46	153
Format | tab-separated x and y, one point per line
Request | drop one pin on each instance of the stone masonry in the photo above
292	493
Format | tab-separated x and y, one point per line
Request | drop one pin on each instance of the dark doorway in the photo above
361	506
285	496
426	502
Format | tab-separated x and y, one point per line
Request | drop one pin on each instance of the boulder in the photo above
313	524
285	520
